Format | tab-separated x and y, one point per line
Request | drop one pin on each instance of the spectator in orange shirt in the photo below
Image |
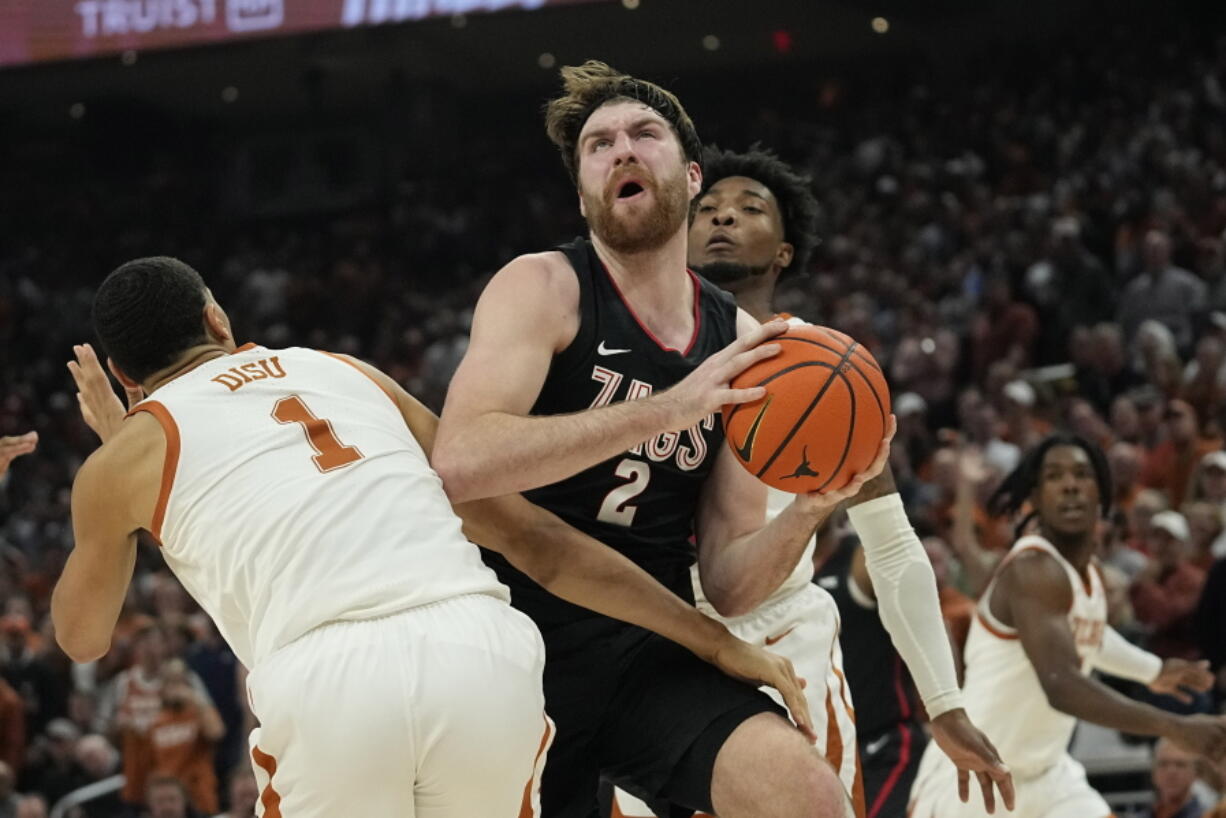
1170	465
184	735
1167	591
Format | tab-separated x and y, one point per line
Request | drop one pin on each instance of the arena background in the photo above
347	178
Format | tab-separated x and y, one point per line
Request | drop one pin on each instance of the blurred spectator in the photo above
1166	593
1125	420
99	782
1174	773
211	659
51	768
1023	427
133	703
1204	382
1124	460
1069	286
183	735
1205	526
1004	329
1156	356
242	792
31	806
12	727
167	798
1170	464
1104	371
1163	292
8	791
26	671
1211	625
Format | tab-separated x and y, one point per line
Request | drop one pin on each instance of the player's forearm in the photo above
740	573
583	571
1086	698
907	599
84	613
499	453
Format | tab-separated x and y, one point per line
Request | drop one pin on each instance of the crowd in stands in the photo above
1023	250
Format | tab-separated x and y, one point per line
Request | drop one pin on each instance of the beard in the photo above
725	273
641	231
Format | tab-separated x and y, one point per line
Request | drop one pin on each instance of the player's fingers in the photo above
964	785
748	395
739	363
989	792
770	329
1180	694
1004	780
78	376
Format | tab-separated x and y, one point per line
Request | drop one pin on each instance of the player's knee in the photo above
818	792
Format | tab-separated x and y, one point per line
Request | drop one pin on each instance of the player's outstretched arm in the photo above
113	489
1034	588
577	568
488	445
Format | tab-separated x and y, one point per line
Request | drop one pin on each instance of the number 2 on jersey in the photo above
330	453
616	508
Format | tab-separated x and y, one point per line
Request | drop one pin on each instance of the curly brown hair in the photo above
591	85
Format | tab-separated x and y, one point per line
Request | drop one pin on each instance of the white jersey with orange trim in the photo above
294	495
1002	692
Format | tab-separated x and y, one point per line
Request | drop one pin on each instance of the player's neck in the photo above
189	360
656	275
1077	549
756	299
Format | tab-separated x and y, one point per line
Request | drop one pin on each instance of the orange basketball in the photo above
823	416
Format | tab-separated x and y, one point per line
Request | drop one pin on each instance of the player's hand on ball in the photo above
758	666
707	389
971	752
827	501
100	407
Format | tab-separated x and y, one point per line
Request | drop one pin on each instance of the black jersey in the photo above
883	688
642	501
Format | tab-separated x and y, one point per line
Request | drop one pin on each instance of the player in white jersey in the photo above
1041	628
292	496
754	220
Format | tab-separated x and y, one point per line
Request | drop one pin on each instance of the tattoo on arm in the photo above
879	486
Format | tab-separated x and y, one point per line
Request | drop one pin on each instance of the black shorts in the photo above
641	710
889	762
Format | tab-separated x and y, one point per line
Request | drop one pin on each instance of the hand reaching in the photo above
100	407
971	752
827	501
14	446
757	666
1178	674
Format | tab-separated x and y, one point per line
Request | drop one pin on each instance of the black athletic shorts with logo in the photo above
642	711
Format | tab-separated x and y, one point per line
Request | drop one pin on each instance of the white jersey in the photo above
293	495
1002	692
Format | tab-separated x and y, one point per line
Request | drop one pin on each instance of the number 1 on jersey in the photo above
330	453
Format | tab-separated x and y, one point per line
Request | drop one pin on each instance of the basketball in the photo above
823	416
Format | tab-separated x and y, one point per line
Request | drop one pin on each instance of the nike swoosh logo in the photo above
770	640
873	747
745	450
604	350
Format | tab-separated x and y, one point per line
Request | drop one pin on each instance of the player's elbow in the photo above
1059	690
460	479
81	647
730	602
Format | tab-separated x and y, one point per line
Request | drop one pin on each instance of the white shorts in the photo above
804	627
433	712
1060	791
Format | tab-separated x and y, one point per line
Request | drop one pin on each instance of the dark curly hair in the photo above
147	312
797	204
591	85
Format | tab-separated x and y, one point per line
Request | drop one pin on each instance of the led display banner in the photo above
37	30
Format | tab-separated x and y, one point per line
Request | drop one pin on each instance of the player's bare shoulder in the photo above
130	465
1036	576
542	288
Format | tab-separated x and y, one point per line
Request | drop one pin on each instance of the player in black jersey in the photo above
592	378
889	734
